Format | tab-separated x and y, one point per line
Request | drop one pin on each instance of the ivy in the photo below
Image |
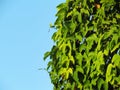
86	54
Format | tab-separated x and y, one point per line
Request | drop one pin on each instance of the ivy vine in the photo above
86	54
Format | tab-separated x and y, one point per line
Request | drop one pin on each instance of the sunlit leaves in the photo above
118	16
100	83
86	51
108	73
116	60
64	72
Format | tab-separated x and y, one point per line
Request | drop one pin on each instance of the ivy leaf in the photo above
85	11
49	65
69	14
114	20
100	83
84	3
78	37
70	71
106	52
108	73
46	55
62	5
80	69
64	59
59	20
105	22
108	34
61	12
53	36
117	79
115	38
116	47
118	15
116	60
90	40
62	71
105	86
79	58
80	17
87	85
93	81
72	59
80	86
72	27
75	76
73	86
99	42
100	57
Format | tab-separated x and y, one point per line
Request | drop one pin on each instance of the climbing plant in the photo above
86	54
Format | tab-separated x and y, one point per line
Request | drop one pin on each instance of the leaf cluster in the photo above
86	54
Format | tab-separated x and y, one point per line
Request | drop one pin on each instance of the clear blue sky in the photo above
24	38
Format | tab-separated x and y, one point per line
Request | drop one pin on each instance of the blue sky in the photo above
24	38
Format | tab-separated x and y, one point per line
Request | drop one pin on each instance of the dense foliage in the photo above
86	54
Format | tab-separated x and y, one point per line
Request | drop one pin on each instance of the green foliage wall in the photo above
86	54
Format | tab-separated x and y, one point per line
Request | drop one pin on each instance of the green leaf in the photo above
85	11
87	85
108	73
62	71
46	55
80	69
72	27
60	6
64	59
80	17
70	70
90	41
105	86
67	86
93	81
99	42
100	83
72	59
80	86
116	47
106	52
70	14
116	60
108	34
79	58
59	20
53	36
100	57
84	3
114	20
75	76
115	37
61	12
105	22
117	79
49	64
73	86
118	15
78	37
